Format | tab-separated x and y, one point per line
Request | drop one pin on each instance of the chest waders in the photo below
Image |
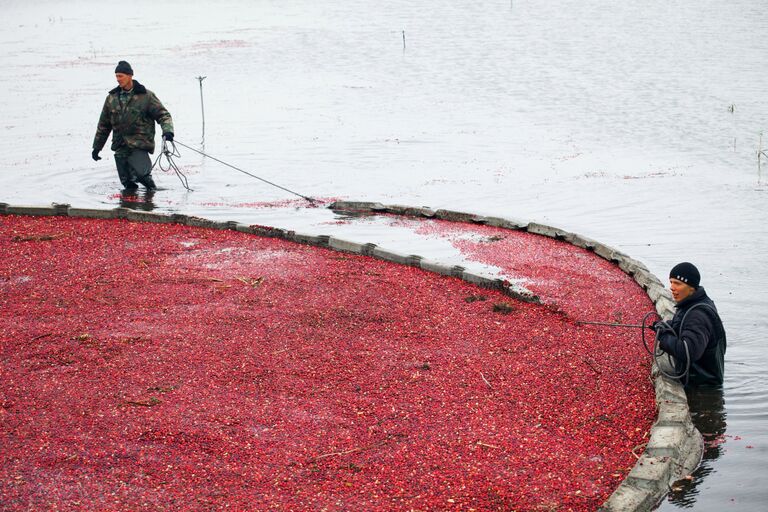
133	164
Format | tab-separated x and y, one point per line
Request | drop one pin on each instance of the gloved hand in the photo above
659	325
95	155
168	136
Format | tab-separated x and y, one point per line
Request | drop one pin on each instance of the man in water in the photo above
695	336
130	112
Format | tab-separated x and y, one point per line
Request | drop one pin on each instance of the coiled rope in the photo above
663	327
658	353
165	161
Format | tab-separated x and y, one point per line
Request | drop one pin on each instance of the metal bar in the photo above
609	324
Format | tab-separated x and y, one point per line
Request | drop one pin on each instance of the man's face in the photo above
680	290
124	81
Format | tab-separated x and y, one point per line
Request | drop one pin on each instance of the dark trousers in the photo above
134	166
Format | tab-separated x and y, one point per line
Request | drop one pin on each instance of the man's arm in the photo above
697	333
160	114
103	129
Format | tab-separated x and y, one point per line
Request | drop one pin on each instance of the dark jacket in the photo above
132	124
697	325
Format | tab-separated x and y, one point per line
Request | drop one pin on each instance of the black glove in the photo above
168	136
95	155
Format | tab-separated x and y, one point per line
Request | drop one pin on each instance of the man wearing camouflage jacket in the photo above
130	112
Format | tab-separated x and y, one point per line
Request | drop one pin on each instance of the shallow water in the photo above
637	125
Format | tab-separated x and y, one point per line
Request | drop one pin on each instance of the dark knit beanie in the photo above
687	273
124	68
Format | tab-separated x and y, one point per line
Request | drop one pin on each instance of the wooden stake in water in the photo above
202	109
760	155
403	41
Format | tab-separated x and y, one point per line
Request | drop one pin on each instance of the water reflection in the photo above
707	407
137	199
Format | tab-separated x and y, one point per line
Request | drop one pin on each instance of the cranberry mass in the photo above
159	366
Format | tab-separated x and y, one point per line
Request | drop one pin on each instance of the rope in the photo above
665	327
656	352
170	152
643	325
311	201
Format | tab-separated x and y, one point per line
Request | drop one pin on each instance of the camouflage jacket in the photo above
132	124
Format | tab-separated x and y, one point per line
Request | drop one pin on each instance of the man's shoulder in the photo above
702	313
140	89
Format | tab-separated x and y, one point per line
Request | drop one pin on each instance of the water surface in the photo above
634	124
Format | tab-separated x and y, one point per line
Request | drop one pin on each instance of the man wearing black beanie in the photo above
130	113
695	336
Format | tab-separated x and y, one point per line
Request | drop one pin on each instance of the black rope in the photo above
311	201
667	327
644	325
656	350
170	152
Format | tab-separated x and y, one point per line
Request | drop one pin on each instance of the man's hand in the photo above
168	136
659	325
95	155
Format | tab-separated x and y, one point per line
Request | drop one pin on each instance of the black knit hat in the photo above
687	273
124	68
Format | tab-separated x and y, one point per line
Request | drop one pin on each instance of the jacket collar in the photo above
137	88
698	296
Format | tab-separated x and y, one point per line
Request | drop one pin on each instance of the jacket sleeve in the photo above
160	114
696	335
104	127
